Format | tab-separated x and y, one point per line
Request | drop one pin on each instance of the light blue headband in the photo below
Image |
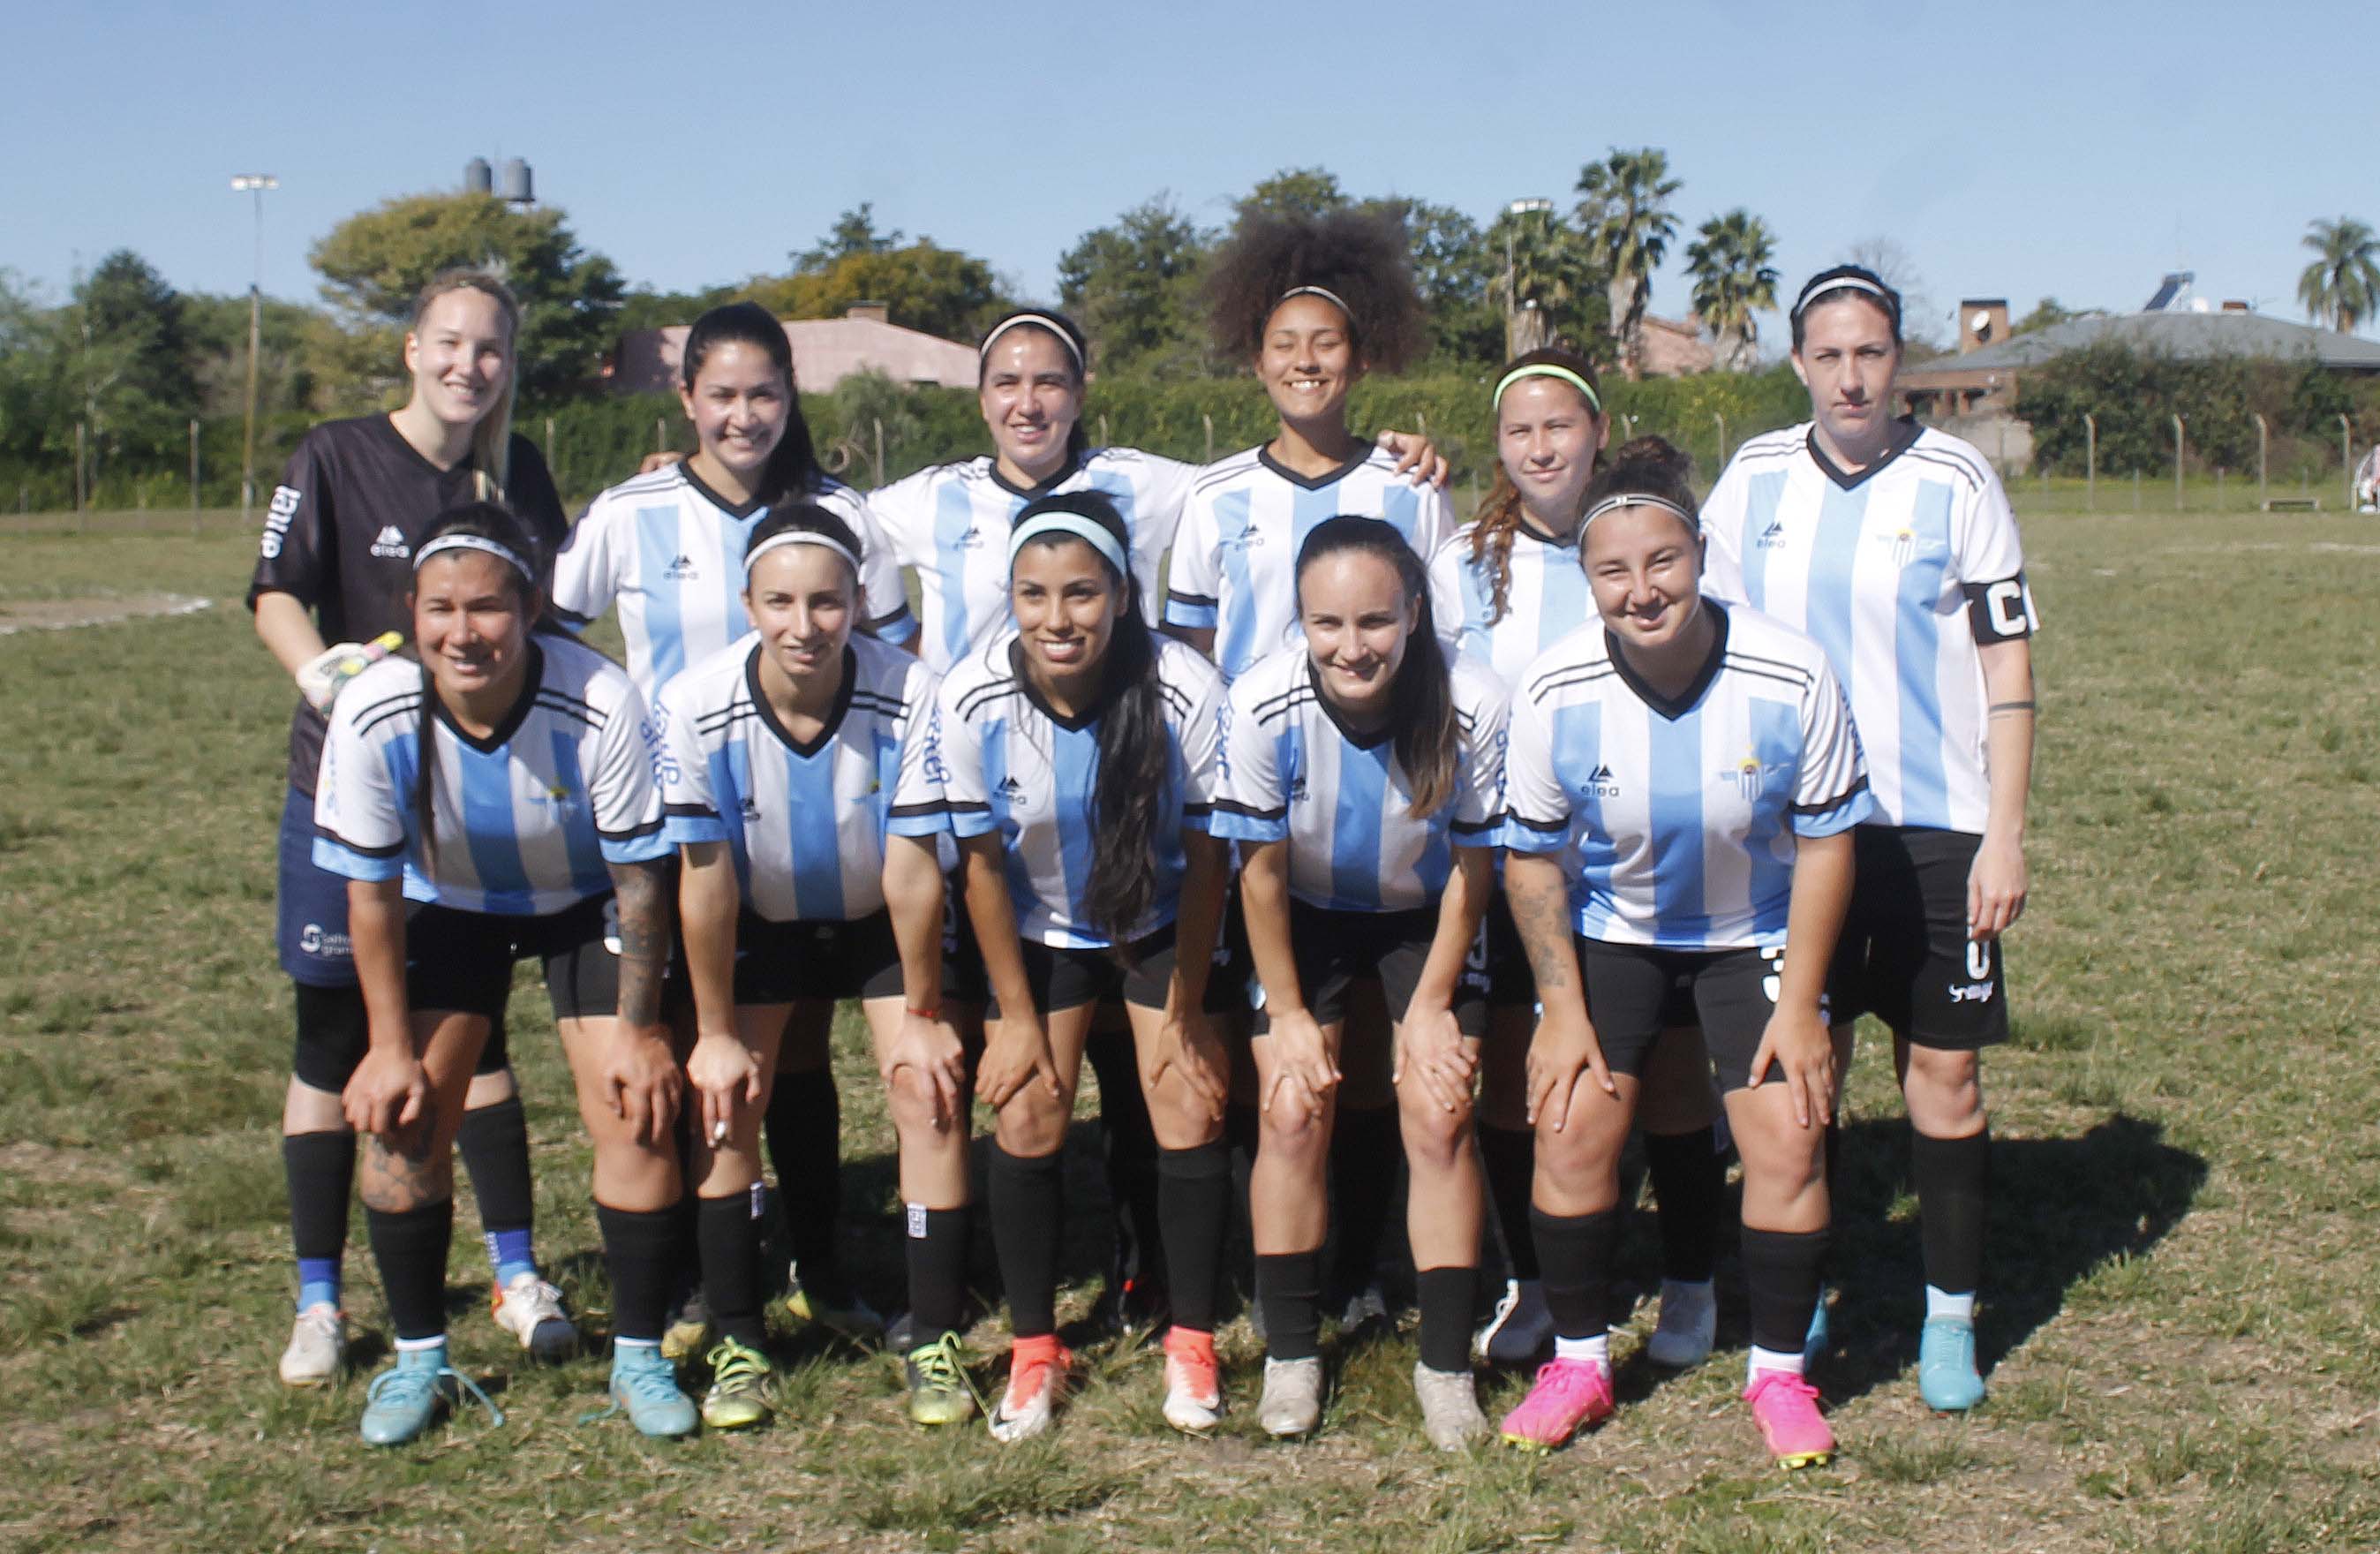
1074	524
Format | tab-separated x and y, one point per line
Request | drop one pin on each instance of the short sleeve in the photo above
1832	794
529	490
1157	514
902	513
1434	524
920	806
586	573
1200	737
1448	608
1479	817
1536	805
359	814
627	794
292	555
957	741
885	598
1988	557
1192	579
1722	513
690	808
1249	803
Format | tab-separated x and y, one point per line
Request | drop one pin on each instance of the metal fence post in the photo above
1209	421
1723	438
2347	458
2091	458
2263	460
194	479
2178	451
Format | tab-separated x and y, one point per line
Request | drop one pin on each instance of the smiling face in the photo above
472	615
1645	566
1308	362
739	405
1066	603
1357	619
1031	397
460	356
1547	437
1846	360
801	599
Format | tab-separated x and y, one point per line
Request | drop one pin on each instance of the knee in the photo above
1179	1120
1944	1091
1032	1124
1433	1135
1580	1158
1296	1143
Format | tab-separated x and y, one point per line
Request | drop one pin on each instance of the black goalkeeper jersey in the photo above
340	532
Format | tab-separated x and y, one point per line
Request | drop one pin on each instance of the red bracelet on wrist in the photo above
926	1014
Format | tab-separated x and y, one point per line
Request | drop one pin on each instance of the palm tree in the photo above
1547	281
1626	218
1733	280
2344	284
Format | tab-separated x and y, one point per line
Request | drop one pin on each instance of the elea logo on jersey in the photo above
971	541
1297	789
1011	789
1600	784
681	569
1772	537
390	541
751	811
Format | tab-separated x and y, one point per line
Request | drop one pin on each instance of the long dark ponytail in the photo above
793	466
490	522
1421	700
1129	788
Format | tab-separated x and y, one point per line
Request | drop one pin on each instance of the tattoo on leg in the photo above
403	1171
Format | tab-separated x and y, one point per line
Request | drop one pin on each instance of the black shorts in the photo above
1336	949
1905	956
463	961
1063	978
1503	960
333	1036
963	977
1636	991
777	963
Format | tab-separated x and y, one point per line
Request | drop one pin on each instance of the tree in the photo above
2048	313
1132	285
1891	263
2342	285
1295	191
1733	280
853	232
1624	212
924	286
375	262
130	361
1453	267
1546	280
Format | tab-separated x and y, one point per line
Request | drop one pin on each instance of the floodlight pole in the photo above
255	183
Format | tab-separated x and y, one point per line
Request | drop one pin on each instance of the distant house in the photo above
1982	379
826	351
1673	347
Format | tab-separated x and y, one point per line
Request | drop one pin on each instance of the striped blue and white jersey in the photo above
670	551
1546	600
1012	766
1235	559
1899	573
1680	816
950	524
1291	771
524	822
805	821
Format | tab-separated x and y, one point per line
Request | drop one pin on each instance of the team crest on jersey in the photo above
390	541
1746	775
682	569
1600	784
556	796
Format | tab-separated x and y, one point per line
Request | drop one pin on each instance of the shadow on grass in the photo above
2061	1208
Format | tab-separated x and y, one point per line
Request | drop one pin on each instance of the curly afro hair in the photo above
1360	257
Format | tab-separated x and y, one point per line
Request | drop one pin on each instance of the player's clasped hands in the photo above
926	1058
1431	1049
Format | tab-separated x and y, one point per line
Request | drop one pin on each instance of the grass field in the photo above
2179	1317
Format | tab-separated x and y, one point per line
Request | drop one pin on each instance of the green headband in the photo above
1547	370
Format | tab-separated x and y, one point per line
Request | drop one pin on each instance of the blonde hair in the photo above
491	439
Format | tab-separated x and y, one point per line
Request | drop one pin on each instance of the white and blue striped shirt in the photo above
950	524
525	822
1546	600
1899	573
1234	565
671	552
1682	815
805	821
1012	766
1291	771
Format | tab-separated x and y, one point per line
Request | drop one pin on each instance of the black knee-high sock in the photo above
938	1258
1445	1295
729	1231
1952	1186
410	1249
1028	1204
1131	1157
640	1252
805	1127
1289	1291
1366	1149
1781	1276
494	1141
1510	1157
1835	1154
1242	1124
685	1215
1195	1199
1574	1251
1689	1187
321	1168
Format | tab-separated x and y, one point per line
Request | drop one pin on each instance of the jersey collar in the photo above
1352	735
1670	708
1905	431
1066	472
1033	693
827	729
500	735
1315	482
733	509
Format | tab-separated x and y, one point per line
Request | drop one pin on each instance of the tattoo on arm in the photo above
1999	707
402	1172
1545	934
644	941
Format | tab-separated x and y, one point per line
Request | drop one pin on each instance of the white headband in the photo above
1824	284
1635	499
473	543
1038	321
1330	297
799	537
1058	522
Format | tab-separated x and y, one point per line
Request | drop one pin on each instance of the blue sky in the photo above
2023	150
